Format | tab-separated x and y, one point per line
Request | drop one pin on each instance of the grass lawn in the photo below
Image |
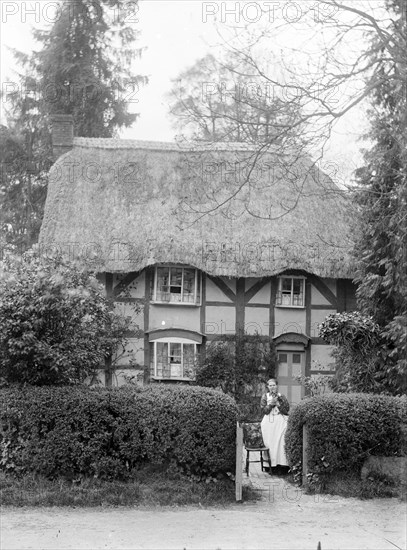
148	487
350	484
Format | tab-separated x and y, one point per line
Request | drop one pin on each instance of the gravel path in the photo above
285	518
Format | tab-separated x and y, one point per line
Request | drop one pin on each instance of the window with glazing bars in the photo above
173	359
290	292
176	285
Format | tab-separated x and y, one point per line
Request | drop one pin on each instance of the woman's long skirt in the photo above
273	427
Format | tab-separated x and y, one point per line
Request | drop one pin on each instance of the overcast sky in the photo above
175	34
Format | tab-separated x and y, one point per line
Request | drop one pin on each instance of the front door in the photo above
291	364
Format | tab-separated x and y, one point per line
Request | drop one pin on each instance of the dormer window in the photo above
291	291
176	285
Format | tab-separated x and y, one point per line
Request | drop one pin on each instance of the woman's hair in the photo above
272	379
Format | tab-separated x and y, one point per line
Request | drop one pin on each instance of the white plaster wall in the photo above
257	319
220	320
131	310
214	293
317	317
317	298
321	357
289	320
174	316
263	295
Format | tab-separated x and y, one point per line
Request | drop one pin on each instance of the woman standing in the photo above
275	408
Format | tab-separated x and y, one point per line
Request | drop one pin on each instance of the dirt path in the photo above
284	519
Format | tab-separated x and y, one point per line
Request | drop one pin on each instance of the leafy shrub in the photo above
107	433
316	384
363	357
249	409
343	429
238	364
56	325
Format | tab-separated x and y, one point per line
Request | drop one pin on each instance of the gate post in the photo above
239	466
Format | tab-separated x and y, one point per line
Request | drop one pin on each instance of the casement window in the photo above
173	359
176	285
291	291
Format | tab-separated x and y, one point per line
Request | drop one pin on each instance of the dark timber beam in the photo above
324	290
124	283
240	305
249	294
223	287
341	292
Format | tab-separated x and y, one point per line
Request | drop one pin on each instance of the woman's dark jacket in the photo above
282	403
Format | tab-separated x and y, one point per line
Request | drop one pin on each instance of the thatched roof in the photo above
222	208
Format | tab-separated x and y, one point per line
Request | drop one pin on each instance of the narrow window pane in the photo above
298	286
175	361
286	284
198	290
152	359
176	284
176	276
285	297
175	353
163	284
162	359
282	357
189	360
297	358
189	286
152	282
163	367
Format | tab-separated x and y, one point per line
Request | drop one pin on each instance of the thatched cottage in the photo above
210	239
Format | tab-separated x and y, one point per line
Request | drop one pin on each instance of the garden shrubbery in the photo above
57	326
343	429
239	365
107	433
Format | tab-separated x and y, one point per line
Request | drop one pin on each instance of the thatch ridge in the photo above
180	146
125	205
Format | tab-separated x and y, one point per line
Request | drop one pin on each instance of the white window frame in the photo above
280	292
173	340
196	302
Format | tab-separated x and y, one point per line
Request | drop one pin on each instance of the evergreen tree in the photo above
83	69
380	249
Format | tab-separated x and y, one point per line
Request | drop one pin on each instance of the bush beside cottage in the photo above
108	433
345	429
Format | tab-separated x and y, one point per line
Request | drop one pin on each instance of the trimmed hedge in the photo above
343	429
106	433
